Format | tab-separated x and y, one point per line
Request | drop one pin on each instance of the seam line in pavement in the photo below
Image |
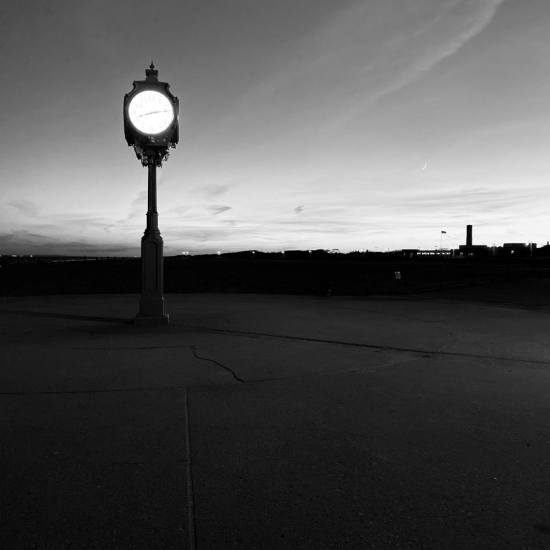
171	388
190	491
370	346
304	339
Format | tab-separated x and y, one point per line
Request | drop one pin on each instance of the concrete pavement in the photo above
274	422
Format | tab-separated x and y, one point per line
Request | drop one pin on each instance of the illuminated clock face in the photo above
151	112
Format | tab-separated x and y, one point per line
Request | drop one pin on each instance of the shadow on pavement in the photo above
66	316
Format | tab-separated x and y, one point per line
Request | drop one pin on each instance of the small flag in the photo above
444	232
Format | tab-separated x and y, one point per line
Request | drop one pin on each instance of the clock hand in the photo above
154	113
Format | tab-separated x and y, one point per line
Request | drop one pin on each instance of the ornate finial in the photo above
151	73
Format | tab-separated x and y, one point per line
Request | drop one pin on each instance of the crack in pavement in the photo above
244	334
191	518
216	363
448	343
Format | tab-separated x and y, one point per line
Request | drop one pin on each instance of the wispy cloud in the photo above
458	22
27	242
25	207
212	191
137	207
366	52
466	200
218	209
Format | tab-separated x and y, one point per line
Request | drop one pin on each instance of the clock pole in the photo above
151	303
150	114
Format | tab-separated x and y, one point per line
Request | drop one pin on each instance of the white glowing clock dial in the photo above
151	112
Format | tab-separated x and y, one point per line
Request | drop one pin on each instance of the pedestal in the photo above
151	303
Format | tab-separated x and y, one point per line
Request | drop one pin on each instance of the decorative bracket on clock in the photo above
151	156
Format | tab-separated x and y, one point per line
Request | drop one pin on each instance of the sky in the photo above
304	124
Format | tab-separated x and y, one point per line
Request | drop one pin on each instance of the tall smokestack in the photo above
468	235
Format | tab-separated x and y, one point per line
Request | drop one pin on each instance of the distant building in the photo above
469	241
519	249
476	250
435	252
470	249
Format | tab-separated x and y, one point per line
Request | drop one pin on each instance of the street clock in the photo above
150	113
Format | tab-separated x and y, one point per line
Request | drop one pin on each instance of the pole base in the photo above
146	320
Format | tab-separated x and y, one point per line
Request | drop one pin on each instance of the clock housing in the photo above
150	113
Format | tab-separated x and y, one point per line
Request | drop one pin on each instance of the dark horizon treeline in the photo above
358	255
521	250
